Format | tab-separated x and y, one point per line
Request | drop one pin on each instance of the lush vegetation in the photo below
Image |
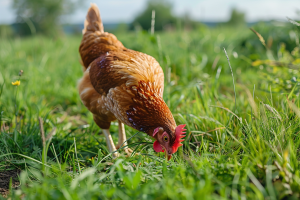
41	16
243	123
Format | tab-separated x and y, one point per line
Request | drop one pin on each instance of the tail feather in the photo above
93	20
95	42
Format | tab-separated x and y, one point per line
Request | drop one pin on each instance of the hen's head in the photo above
168	142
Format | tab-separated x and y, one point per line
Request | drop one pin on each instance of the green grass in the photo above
241	144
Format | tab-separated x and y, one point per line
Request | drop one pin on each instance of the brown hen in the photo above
124	85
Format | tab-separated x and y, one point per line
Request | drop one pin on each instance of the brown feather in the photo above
120	83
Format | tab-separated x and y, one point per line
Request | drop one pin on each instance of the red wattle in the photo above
157	147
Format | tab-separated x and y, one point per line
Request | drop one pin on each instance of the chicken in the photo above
124	85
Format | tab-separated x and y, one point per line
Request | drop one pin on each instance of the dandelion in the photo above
16	83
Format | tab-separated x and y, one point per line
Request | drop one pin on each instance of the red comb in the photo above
178	135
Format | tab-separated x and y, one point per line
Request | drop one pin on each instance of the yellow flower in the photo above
297	61
257	63
17	83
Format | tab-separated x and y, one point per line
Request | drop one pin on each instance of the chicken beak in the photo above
168	156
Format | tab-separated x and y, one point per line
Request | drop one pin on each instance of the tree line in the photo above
44	17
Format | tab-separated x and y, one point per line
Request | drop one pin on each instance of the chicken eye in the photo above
166	139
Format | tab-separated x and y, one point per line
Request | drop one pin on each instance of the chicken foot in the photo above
110	143
122	139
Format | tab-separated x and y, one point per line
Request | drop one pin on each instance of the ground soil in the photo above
5	177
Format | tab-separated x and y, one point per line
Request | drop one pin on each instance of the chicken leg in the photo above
110	143
122	138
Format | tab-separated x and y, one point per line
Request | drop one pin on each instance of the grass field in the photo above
243	124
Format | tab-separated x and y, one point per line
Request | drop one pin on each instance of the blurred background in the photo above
50	17
186	37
